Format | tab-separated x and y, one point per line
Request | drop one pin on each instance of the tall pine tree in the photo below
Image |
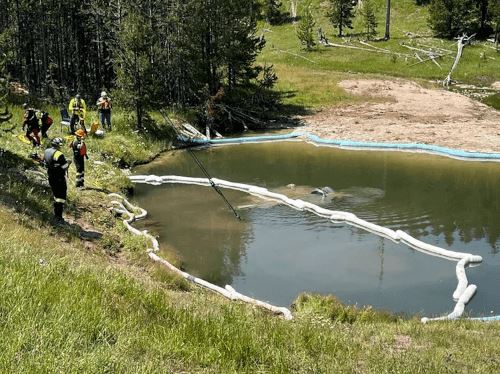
271	10
368	18
451	18
305	28
340	14
494	10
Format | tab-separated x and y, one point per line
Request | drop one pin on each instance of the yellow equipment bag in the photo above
24	139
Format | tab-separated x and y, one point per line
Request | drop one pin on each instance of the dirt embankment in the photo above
409	113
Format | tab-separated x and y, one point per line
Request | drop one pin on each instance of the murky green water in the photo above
275	252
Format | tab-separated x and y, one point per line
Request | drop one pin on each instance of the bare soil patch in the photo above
409	113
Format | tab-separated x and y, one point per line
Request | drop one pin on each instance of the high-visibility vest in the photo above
82	151
77	107
52	158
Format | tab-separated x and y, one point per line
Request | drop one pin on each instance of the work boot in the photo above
58	211
59	221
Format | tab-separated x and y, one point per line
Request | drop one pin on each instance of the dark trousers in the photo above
32	135
80	170
105	119
45	128
59	190
75	120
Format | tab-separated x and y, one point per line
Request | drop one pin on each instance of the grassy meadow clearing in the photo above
310	78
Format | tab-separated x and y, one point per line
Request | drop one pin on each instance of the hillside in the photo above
310	78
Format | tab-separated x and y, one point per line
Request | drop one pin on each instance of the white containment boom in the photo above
462	294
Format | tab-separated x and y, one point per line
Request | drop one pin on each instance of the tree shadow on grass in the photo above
25	190
288	115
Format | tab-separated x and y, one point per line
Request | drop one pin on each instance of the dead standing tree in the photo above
462	41
293	10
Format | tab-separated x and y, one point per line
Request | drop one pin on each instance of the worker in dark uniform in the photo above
57	167
31	125
79	155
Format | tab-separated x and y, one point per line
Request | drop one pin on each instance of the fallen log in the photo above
383	49
293	54
361	48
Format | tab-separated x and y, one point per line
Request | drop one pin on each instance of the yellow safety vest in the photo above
76	107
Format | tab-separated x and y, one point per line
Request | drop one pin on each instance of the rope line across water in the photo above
462	294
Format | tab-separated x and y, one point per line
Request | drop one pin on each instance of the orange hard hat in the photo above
80	133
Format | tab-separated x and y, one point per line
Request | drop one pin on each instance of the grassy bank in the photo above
310	78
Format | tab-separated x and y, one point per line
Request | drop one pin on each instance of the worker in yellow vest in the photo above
77	109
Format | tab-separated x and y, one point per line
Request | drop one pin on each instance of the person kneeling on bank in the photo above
31	125
79	155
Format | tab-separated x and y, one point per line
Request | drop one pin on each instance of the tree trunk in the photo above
388	20
497	36
293	10
44	57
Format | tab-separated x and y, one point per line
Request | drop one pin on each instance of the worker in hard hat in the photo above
104	108
79	155
57	167
77	109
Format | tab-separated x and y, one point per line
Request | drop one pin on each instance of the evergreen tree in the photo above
340	14
305	29
368	18
450	18
5	55
271	9
222	44
494	11
134	64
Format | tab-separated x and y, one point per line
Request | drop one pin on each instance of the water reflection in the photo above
445	202
172	208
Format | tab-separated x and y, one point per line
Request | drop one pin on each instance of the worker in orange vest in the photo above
104	107
79	149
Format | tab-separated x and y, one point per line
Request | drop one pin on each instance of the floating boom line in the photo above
463	292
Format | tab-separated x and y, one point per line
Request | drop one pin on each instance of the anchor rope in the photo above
201	166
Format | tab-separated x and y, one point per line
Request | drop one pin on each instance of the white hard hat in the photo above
104	94
56	142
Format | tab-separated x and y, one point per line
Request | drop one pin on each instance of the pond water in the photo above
276	252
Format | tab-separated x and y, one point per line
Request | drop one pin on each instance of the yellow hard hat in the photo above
80	133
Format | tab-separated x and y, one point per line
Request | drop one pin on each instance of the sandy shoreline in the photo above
409	113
